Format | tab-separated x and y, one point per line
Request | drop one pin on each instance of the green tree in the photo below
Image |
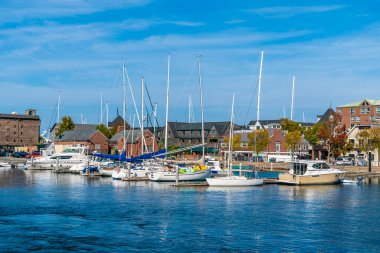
236	141
66	125
310	134
290	126
292	139
258	141
104	130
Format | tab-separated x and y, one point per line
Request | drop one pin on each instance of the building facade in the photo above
364	112
20	129
93	139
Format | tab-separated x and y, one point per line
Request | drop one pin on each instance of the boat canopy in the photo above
124	158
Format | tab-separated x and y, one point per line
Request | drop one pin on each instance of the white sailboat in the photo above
232	180
173	173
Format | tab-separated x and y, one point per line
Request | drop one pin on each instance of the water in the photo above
47	212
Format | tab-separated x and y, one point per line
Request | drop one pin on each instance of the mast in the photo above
133	131
167	105
230	149
58	107
259	92
201	98
292	106
124	105
189	108
142	114
81	118
154	125
107	113
101	108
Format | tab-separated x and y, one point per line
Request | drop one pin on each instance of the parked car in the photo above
344	160
19	154
361	162
33	154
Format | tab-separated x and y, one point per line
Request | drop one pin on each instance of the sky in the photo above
75	48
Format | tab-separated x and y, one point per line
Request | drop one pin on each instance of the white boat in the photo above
311	173
234	181
4	165
187	174
67	158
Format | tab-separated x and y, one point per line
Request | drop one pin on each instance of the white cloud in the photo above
286	12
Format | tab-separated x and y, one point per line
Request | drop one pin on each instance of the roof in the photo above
128	133
19	116
326	116
76	135
370	101
265	122
85	127
220	127
116	122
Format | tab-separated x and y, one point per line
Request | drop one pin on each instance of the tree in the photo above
310	134
258	141
236	141
333	135
368	140
292	139
104	130
66	125
289	125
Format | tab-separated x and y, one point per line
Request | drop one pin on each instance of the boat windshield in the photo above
71	150
299	168
321	166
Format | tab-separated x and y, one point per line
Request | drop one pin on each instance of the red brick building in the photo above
20	129
364	112
134	142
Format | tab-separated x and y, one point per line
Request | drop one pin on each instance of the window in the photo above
357	118
352	118
183	133
364	110
191	133
14	126
14	133
22	126
352	111
365	103
278	146
378	109
352	125
372	118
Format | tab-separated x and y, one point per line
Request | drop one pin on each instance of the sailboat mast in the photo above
107	113
124	106
133	131
101	108
230	149
292	107
189	109
167	105
142	114
154	126
259	92
201	98
58	107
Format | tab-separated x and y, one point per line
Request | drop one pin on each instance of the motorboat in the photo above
311	173
4	165
67	158
169	173
234	181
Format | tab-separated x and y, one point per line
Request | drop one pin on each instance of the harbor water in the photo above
47	212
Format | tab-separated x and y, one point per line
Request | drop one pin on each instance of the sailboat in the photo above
240	180
172	172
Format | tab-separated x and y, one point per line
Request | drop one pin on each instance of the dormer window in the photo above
365	103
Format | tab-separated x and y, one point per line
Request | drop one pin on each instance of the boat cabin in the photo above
300	168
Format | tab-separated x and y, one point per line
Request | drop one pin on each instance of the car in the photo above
19	154
343	161
33	154
361	162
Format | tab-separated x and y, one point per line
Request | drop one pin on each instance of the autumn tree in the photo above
104	130
368	140
66	125
236	141
258	141
293	136
333	135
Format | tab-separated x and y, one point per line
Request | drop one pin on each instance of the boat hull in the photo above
234	181
171	177
331	178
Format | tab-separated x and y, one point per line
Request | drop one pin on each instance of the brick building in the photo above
134	142
93	139
20	129
364	112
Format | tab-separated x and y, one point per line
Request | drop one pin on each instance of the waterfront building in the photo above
364	112
134	142
20	129
91	138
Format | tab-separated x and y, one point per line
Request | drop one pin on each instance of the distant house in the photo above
93	139
364	112
326	116
134	142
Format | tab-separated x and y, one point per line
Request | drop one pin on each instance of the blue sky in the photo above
332	47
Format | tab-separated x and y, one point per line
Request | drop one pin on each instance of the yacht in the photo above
67	158
311	173
169	174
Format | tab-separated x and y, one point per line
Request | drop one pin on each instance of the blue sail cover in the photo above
122	156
